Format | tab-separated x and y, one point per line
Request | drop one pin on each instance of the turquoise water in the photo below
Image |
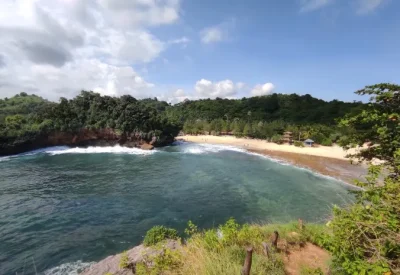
62	208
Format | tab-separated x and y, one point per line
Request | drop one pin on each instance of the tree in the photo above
378	125
366	236
247	131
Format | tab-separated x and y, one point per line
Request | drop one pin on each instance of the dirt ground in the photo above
310	256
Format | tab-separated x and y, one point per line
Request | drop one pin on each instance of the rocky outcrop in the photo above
135	255
85	138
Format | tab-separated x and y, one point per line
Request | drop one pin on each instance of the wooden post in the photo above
266	249
275	239
301	225
247	262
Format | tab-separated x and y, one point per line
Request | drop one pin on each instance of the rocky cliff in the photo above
84	138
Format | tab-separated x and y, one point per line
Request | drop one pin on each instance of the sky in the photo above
177	49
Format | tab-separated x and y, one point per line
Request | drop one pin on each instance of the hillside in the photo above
30	122
292	249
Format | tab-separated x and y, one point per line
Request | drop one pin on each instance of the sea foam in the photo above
69	268
204	148
96	150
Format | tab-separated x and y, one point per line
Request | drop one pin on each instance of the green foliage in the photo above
191	228
228	231
291	108
276	139
327	142
366	235
159	233
298	143
167	260
25	118
124	261
311	271
378	124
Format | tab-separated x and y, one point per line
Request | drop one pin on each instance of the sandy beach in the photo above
330	161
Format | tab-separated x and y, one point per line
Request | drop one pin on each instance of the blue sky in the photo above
196	49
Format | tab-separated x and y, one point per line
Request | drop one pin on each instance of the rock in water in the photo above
146	146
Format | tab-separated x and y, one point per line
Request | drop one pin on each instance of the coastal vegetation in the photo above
28	119
266	117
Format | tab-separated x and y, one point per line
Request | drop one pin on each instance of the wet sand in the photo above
336	168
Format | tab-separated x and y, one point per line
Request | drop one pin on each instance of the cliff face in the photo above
84	138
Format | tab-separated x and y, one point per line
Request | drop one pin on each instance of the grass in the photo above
222	251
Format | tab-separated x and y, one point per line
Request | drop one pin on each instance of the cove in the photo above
63	207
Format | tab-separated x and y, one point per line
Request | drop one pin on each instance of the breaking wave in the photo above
95	150
204	148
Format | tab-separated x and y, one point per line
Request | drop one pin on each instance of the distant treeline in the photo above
23	116
266	117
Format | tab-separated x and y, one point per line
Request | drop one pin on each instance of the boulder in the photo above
135	255
146	146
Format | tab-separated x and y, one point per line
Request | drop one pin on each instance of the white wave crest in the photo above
204	148
69	268
4	159
109	149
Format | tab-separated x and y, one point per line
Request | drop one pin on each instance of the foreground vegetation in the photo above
222	250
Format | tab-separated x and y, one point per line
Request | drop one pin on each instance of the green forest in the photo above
266	117
24	117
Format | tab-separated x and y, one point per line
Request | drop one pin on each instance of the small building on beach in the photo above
309	142
287	137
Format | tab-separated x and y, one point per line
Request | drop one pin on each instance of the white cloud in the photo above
179	93
367	6
207	89
211	35
312	5
264	89
124	13
217	33
182	40
58	47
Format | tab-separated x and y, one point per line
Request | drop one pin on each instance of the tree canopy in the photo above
367	234
26	117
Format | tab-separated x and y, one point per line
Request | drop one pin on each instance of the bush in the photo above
124	261
159	233
298	143
168	260
276	139
327	142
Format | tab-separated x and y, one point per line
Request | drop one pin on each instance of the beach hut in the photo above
287	137
309	142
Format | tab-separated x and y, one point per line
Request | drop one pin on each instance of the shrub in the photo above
327	142
191	228
298	143
311	271
167	260
124	261
229	231
276	139
159	233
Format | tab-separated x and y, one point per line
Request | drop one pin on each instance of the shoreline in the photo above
335	166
